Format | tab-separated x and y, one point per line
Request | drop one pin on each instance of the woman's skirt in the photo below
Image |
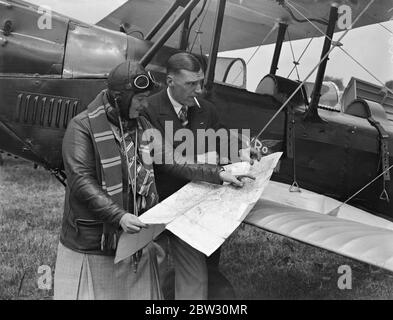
80	276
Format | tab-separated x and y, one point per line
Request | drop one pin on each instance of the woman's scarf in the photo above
105	127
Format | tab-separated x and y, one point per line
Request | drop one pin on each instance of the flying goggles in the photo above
141	82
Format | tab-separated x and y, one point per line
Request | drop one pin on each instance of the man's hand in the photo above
248	154
131	223
234	180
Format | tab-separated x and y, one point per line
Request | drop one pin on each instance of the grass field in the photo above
260	265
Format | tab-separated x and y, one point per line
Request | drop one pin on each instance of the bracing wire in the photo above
197	33
311	72
387	29
283	4
301	13
346	52
195	20
293	56
301	56
256	50
334	211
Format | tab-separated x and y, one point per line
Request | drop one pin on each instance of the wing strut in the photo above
277	51
168	33
312	112
214	46
164	19
299	87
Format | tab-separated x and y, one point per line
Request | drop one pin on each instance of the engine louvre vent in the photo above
44	110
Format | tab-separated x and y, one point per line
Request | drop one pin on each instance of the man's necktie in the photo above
183	115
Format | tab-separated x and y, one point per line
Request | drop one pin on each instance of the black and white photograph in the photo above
213	151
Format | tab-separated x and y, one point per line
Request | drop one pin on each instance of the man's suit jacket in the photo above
159	110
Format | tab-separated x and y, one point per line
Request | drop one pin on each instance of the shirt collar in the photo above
176	105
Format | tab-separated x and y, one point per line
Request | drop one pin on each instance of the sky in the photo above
372	46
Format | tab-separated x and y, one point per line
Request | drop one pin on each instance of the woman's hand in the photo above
234	180
131	223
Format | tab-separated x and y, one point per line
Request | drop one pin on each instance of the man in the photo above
181	106
110	181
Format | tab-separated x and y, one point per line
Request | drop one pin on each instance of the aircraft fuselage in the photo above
49	76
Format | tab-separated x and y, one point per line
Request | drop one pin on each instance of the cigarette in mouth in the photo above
197	102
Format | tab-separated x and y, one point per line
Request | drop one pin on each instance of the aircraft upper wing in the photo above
246	22
303	216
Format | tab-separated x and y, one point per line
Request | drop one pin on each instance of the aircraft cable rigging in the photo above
291	118
291	138
283	4
387	29
309	75
334	212
198	32
385	91
196	19
369	72
200	44
292	95
295	62
300	57
384	192
299	6
339	44
275	26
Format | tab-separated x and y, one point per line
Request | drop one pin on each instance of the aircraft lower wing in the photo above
286	213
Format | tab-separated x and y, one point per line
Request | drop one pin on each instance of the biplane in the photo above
333	188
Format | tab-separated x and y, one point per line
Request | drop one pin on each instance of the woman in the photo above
110	181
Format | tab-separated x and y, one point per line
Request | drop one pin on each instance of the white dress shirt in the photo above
176	105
